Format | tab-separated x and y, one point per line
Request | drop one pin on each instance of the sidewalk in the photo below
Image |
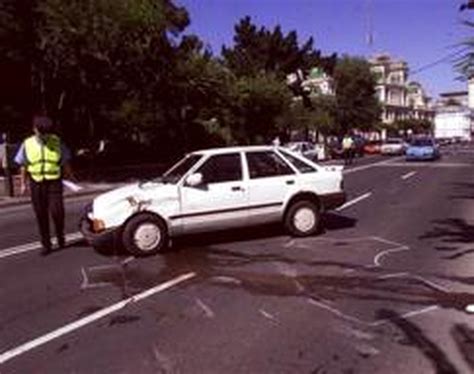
93	181
88	188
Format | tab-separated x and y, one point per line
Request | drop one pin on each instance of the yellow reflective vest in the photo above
43	158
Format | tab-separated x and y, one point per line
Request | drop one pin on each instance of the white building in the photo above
400	99
455	114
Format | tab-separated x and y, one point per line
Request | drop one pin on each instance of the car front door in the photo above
270	180
220	201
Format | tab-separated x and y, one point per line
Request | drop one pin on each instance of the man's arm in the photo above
20	159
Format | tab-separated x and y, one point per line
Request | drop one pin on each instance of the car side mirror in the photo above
194	180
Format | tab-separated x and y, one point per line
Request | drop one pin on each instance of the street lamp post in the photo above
7	167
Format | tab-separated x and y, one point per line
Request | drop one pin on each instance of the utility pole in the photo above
7	166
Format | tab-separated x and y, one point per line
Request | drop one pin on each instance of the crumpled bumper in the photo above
100	240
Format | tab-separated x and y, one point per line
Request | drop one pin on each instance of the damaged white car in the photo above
216	189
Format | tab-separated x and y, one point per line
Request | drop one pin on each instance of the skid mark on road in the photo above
373	285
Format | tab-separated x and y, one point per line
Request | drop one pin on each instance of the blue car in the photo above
422	149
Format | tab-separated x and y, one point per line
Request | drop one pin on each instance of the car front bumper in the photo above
333	200
107	239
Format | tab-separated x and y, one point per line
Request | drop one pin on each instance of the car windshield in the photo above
177	171
422	143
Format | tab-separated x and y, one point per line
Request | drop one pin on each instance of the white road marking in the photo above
354	201
408	175
8	355
368	166
392	250
376	323
207	311
4	253
268	315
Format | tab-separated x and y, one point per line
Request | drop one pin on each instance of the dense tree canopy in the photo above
357	106
125	72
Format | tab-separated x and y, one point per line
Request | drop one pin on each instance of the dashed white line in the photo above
354	201
4	253
408	175
8	355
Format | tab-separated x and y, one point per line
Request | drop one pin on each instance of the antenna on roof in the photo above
369	35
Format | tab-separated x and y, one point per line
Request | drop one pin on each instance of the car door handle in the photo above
291	181
236	188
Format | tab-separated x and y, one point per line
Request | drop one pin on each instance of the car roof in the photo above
224	150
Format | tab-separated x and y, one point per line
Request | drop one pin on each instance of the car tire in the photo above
145	235
303	218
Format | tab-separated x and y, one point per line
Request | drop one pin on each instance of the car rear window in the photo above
302	166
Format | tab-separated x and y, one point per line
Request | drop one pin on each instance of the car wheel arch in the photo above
302	196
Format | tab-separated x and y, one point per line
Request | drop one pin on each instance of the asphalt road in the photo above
381	290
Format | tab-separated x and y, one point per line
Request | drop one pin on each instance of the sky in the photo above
421	32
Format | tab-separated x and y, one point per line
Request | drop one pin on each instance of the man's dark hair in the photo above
43	124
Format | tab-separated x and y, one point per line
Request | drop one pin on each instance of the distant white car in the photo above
213	190
393	146
314	152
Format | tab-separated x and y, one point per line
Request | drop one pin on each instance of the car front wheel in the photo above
303	219
145	235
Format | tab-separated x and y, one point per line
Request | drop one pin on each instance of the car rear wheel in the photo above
145	235
303	219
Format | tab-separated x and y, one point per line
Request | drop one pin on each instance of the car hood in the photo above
114	206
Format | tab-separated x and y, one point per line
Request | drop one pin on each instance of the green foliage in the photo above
465	63
415	125
258	50
123	71
357	106
258	101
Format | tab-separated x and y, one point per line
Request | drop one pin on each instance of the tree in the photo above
258	102
356	104
258	50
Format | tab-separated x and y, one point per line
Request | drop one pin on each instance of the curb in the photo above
18	201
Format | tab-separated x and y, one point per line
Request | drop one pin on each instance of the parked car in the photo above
314	152
393	146
372	147
216	189
422	149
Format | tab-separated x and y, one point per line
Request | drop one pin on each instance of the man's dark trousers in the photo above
47	197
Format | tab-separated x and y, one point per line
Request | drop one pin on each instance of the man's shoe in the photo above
45	251
61	242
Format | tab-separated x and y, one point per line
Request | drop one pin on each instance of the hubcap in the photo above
304	219
147	236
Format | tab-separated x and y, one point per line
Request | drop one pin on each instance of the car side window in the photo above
222	168
267	164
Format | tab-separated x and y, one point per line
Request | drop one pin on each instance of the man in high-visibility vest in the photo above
347	149
44	160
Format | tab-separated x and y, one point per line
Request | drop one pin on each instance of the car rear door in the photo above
220	201
270	180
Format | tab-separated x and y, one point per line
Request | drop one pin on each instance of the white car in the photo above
393	146
216	189
314	152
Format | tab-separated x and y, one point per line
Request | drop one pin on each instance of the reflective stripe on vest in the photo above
43	158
